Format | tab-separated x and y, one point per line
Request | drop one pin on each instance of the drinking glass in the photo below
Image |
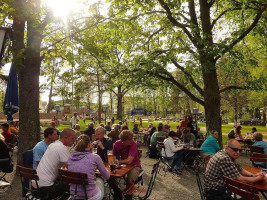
110	156
94	150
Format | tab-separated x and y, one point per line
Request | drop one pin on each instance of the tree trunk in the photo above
111	103
264	112
99	97
212	97
119	105
51	90
28	75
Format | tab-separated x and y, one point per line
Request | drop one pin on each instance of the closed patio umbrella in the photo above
11	103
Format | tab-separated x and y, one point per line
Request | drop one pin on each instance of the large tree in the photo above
193	36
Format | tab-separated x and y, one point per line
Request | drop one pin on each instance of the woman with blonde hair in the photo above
84	161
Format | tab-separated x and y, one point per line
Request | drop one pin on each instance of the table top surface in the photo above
261	185
118	173
192	149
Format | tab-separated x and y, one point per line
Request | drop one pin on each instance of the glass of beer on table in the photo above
110	156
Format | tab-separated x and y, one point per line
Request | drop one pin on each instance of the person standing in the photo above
112	120
183	123
192	125
74	120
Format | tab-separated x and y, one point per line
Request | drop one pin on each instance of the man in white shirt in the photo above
173	152
74	120
55	157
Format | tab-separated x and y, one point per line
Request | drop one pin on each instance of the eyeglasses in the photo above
235	149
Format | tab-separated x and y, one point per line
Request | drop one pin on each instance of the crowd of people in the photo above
72	149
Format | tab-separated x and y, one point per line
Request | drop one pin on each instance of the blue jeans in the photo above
177	159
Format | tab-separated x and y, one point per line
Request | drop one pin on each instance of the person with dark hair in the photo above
114	134
124	127
235	133
112	120
55	157
90	130
192	126
173	152
135	129
159	133
108	127
50	135
4	154
84	161
189	138
6	132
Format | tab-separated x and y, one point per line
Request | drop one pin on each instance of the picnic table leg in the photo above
116	190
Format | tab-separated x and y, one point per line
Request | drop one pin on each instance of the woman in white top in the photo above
173	151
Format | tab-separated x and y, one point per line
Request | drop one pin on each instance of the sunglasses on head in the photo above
235	149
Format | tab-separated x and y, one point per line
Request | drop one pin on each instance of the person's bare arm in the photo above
128	161
251	179
64	165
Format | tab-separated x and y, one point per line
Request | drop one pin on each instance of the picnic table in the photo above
114	175
260	185
189	153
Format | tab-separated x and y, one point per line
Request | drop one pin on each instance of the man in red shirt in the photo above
6	132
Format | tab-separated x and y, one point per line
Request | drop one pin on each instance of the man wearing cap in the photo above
223	163
74	120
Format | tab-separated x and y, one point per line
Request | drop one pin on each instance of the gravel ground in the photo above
166	187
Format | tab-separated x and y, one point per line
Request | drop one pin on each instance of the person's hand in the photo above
260	174
99	143
92	146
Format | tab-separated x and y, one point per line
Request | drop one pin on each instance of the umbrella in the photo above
11	103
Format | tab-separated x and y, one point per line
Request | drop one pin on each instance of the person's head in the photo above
238	129
253	130
177	127
75	114
91	125
126	137
102	125
50	134
186	132
5	126
108	123
116	127
135	125
153	129
83	143
68	137
124	127
233	148
12	124
120	123
166	127
190	118
173	135
215	134
258	136
77	127
160	128
150	125
99	133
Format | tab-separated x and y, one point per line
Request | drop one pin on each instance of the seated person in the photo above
259	143
108	127
223	164
103	145
114	134
159	133
124	127
253	131
235	133
173	151
50	135
56	156
210	145
6	133
13	129
135	129
4	154
82	160
126	148
77	129
90	130
189	138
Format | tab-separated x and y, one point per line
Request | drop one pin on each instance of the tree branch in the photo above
176	23
244	34
232	87
194	84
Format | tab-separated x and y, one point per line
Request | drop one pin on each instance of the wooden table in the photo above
188	153
118	173
260	185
